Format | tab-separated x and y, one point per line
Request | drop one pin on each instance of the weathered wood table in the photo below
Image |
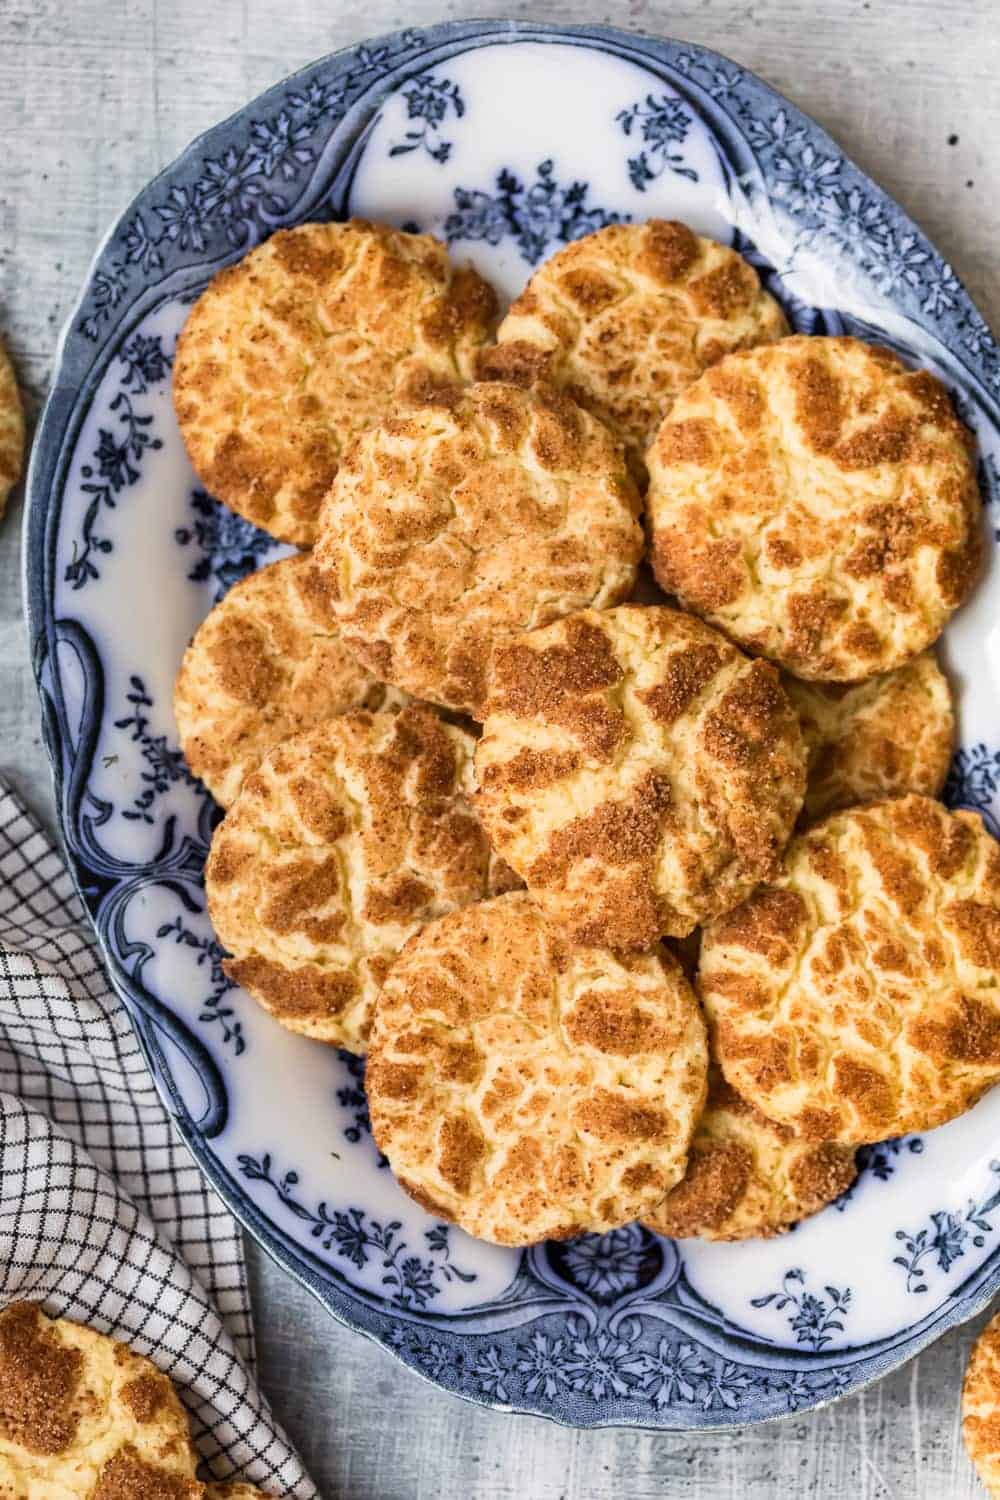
96	96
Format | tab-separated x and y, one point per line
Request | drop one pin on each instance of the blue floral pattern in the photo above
606	1265
540	215
215	1007
947	1238
165	764
879	1162
974	782
834	215
230	546
145	362
669	1373
241	193
814	1319
410	1282
635	1362
117	459
352	1096
661	124
429	100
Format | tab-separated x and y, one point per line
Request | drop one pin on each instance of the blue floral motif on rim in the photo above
231	546
538	215
429	100
118	456
989	485
211	953
814	1319
670	1373
234	196
637	1361
948	1237
165	762
606	1265
352	1096
837	218
661	124
410	1281
879	1162
974	782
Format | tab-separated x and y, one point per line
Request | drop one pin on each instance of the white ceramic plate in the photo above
508	140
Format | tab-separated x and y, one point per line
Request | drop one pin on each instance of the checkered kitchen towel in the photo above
103	1215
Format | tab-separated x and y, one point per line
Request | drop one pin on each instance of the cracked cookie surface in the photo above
307	341
981	1406
881	738
857	996
747	1176
451	528
266	663
527	1089
84	1418
625	318
637	771
11	429
817	501
340	846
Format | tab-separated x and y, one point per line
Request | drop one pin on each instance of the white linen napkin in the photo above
103	1215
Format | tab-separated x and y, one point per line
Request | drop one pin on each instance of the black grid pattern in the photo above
103	1215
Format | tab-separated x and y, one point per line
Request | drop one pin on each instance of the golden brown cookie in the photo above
11	429
339	847
318	333
748	1177
881	738
462	523
981	1406
624	318
817	501
529	1090
265	664
638	772
83	1418
857	996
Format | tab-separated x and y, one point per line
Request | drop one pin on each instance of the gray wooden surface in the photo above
96	96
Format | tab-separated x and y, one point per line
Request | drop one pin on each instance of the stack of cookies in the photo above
639	910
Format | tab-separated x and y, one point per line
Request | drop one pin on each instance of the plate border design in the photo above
595	1338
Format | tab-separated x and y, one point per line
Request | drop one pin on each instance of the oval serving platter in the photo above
125	554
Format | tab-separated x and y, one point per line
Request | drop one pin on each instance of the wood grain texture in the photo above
96	96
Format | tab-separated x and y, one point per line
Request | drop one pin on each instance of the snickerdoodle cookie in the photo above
881	738
11	429
624	318
455	526
817	501
527	1089
83	1418
265	664
747	1176
637	771
291	353
857	996
981	1406
340	846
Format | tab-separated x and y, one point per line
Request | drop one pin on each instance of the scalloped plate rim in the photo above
345	1302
